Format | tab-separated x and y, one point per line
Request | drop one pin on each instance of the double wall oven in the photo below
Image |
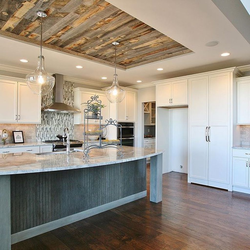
127	133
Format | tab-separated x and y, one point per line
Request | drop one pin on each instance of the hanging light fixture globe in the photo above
115	93
39	81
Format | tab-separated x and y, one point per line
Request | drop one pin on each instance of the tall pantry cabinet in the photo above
210	128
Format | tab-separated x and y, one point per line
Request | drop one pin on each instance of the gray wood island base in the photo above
39	193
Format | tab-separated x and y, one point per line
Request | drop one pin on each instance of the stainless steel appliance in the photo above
61	145
127	133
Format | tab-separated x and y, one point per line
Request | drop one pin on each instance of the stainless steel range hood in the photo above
58	105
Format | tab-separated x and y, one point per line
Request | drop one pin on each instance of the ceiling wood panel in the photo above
87	28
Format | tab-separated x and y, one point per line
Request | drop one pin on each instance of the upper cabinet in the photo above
81	96
18	103
127	108
172	93
243	100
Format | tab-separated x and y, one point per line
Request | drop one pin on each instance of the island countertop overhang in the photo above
12	164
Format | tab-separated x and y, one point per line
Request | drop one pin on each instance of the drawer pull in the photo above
247	153
29	150
6	152
246	164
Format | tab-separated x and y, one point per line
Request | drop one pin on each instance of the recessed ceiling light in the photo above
23	60
79	67
138	81
159	69
225	54
104	78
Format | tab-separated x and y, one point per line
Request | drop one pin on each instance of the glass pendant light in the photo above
39	81
115	93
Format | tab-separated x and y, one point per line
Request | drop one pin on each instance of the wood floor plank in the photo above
189	217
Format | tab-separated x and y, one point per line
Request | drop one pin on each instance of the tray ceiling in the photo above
87	28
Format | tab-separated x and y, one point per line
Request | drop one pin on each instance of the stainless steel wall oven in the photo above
127	131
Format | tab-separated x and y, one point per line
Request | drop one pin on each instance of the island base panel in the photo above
41	198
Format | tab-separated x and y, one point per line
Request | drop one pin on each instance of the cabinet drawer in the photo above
241	153
19	150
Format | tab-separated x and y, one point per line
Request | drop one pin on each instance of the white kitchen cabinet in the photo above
241	170
81	96
210	139
18	103
126	109
243	100
172	93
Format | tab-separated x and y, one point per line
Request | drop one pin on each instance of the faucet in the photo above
66	133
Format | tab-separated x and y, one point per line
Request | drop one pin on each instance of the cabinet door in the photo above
219	99
179	93
240	172
29	105
243	102
198	101
8	102
219	161
198	120
126	108
198	155
130	106
163	95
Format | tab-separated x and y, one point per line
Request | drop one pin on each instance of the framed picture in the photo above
18	136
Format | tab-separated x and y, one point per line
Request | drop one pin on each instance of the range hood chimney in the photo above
58	105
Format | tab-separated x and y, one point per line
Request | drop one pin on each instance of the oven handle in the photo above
127	126
127	138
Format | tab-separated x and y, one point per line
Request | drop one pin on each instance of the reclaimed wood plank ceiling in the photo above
87	28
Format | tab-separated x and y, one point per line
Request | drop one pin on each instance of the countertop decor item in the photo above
18	136
39	81
115	93
5	136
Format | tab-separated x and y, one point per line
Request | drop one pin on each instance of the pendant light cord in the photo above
41	42
115	59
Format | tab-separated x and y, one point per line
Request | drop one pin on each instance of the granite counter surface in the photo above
22	163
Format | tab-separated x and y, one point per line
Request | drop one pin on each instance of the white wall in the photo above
144	95
178	136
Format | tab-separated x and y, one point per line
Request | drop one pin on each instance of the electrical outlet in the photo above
1	132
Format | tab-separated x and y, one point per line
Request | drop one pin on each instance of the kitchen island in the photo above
41	192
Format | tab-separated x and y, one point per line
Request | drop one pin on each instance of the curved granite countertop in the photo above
23	163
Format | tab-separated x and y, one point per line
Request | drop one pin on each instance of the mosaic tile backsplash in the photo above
53	123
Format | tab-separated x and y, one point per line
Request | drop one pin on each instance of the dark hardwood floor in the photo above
189	217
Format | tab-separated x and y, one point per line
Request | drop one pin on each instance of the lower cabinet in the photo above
28	149
149	143
241	170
